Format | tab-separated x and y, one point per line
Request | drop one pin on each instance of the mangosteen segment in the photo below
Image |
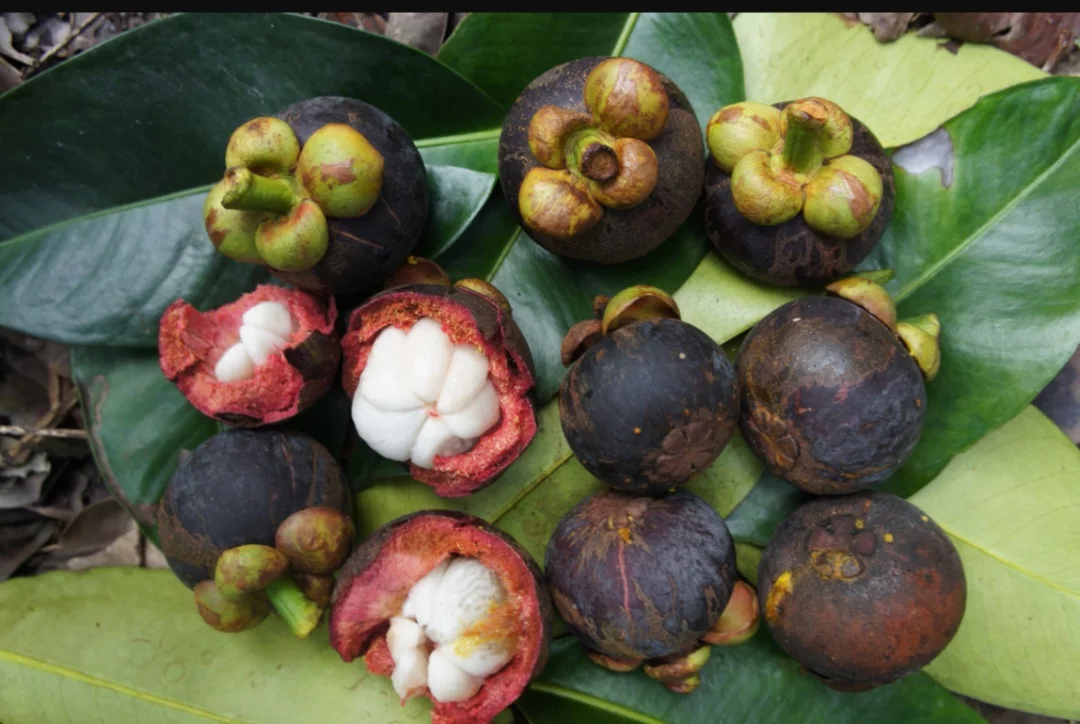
439	378
601	159
650	405
861	589
797	193
831	400
449	608
641	578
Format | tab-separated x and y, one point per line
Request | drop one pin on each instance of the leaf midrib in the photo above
932	271
75	675
594	702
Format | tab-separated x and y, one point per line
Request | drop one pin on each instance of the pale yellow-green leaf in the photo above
900	90
126	646
1012	505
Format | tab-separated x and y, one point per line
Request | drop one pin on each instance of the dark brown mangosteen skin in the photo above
236	488
793	254
366	250
638	577
622	234
649	405
831	400
889	601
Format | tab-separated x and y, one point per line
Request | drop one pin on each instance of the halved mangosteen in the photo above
449	608
440	377
259	360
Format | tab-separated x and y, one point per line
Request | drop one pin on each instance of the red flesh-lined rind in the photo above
466	318
190	344
374	582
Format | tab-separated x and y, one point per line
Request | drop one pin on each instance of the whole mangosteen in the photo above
253	520
649	400
833	393
331	194
797	193
643	580
861	589
261	359
449	608
439	376
601	159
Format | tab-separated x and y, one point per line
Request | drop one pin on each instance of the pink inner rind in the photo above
462	474
361	611
190	344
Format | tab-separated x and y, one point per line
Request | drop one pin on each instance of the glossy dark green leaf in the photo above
138	421
457	196
752	682
148	113
768	502
989	244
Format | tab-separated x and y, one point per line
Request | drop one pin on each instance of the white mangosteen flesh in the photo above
264	330
430	642
420	396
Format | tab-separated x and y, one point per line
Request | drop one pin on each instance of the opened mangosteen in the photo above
861	589
601	159
643	580
649	400
331	194
254	521
833	393
259	360
796	193
449	608
439	376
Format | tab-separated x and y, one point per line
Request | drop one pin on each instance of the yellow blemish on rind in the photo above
888	537
925	518
624	534
637	430
859	523
780	590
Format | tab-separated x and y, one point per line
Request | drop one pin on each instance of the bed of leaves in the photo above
104	205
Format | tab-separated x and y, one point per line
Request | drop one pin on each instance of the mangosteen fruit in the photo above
330	194
259	360
642	580
601	159
833	392
861	589
252	520
449	608
649	401
796	193
439	376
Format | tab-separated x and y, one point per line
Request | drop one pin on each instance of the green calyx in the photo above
273	204
920	337
635	304
315	541
601	155
681	674
784	162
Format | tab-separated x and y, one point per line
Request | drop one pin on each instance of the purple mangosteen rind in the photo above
622	234
831	400
793	254
650	405
641	578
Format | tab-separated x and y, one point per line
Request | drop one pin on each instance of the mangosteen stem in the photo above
249	191
299	612
805	122
591	153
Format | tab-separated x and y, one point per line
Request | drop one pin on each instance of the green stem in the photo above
805	122
299	612
589	151
249	191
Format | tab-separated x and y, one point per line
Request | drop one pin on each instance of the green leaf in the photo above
457	196
1010	505
127	645
503	52
153	115
993	254
902	90
752	682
